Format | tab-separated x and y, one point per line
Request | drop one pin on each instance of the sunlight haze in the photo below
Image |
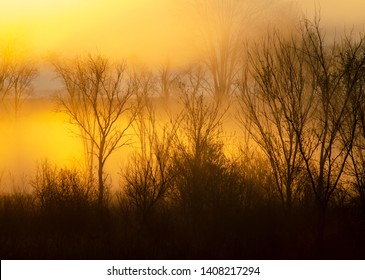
139	29
182	129
143	30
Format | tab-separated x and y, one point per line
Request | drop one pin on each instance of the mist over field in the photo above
38	133
170	129
42	132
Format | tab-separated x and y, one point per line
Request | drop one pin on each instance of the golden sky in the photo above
146	30
134	28
341	13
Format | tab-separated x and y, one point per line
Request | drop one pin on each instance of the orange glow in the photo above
38	134
339	14
41	133
149	31
143	30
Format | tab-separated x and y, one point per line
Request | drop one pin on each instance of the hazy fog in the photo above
144	32
143	29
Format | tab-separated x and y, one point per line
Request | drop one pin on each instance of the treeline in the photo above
292	188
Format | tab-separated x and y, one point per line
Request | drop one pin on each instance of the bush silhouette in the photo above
61	189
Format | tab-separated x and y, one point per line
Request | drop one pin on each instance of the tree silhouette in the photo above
97	97
24	73
200	165
168	80
58	190
221	29
326	140
6	80
16	76
353	61
274	98
322	145
303	109
148	178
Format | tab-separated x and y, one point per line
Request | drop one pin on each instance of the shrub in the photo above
60	189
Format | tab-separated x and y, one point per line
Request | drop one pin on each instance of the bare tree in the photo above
201	118
97	98
149	173
16	76
353	61
202	181
168	80
221	29
24	73
272	103
303	106
328	138
6	81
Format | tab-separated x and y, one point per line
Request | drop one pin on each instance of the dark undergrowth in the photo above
266	232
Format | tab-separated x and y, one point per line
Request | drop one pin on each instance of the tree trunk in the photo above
100	182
